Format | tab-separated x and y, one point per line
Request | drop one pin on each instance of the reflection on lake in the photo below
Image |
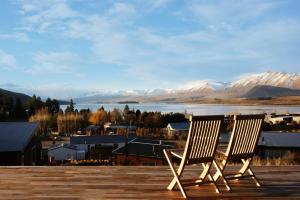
196	109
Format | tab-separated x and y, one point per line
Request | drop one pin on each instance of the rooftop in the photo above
114	139
179	126
145	147
279	139
15	136
124	182
66	146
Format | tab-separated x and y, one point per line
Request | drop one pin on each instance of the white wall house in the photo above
296	119
65	152
278	119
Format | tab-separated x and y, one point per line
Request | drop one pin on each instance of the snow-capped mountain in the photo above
277	79
203	85
200	89
150	92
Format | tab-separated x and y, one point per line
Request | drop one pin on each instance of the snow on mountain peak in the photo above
279	79
206	87
202	85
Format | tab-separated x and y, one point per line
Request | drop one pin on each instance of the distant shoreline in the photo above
128	102
279	101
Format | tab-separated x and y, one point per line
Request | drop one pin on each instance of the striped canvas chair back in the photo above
203	138
245	135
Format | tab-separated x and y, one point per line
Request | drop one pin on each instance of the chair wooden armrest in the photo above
176	152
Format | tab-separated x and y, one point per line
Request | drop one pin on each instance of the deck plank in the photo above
137	182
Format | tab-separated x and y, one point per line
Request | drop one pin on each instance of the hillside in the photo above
266	91
7	94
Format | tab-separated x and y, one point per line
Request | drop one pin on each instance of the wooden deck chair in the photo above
200	148
241	147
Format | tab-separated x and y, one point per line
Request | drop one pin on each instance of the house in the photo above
94	130
142	152
19	144
120	129
65	152
178	130
288	118
278	144
99	147
280	119
296	119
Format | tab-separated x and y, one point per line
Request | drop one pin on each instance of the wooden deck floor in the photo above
122	182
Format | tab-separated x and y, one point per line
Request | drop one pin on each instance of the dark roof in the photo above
98	139
93	128
153	142
113	126
279	139
15	136
67	146
145	148
180	126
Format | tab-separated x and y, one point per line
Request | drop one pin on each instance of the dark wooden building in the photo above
278	144
142	152
19	144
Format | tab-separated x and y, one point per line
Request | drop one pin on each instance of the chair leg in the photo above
219	174
176	176
205	172
214	182
247	164
257	182
179	172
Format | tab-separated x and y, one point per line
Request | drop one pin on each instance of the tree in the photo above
35	104
18	112
173	117
115	115
44	118
98	117
126	110
70	107
69	122
52	105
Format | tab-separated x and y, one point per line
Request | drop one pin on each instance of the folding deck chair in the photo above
241	147
200	148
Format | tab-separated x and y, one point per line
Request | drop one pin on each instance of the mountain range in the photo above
247	86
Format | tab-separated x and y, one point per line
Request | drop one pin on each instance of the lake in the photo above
196	109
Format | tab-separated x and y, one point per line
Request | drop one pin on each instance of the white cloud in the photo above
56	62
40	16
109	39
18	36
121	9
7	61
159	3
231	11
218	40
58	91
53	90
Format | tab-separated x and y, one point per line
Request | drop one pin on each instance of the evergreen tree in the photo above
18	112
70	107
52	105
35	104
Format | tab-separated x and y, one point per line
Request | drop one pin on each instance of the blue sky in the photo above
63	48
